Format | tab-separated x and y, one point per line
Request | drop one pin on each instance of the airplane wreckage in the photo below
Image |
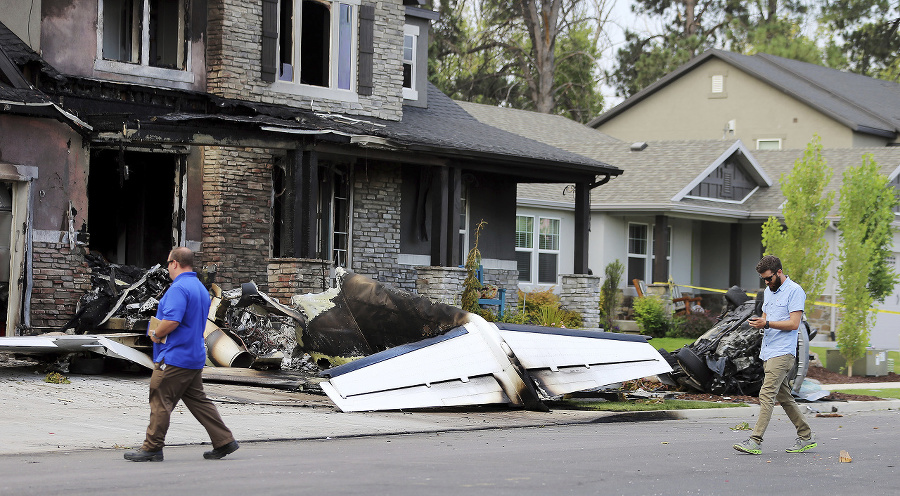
382	349
378	348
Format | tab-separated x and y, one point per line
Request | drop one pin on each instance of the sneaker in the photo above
749	446
221	451
801	445
143	455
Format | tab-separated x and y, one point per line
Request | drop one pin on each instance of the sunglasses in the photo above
769	279
169	263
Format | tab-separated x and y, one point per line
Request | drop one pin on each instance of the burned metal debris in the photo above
725	359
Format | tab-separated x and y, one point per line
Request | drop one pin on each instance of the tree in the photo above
866	210
801	244
609	293
529	54
866	34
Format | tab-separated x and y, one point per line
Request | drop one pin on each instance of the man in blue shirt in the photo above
783	304
179	354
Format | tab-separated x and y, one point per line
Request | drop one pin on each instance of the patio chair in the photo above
682	304
640	287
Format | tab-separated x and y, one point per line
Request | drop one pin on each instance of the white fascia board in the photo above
755	170
551	204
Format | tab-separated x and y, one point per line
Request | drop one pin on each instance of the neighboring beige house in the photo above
768	102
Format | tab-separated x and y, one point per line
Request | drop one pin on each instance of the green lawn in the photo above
821	352
670	344
645	405
881	393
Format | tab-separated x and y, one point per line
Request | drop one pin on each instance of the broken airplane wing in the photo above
481	363
43	345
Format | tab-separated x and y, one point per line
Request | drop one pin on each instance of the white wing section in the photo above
73	344
466	366
567	360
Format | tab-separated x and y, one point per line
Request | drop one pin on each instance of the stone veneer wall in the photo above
237	192
60	276
234	49
293	276
376	226
441	284
581	293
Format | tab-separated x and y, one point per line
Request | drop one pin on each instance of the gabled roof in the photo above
863	104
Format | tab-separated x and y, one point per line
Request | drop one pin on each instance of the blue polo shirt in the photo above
789	297
186	301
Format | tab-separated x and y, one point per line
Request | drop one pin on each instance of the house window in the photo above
149	33
341	205
410	40
545	258
524	246
317	43
768	144
638	241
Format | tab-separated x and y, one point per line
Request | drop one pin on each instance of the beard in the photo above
775	284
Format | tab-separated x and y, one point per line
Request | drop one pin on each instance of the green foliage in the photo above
692	325
609	293
543	308
651	316
471	286
866	212
802	247
865	34
56	378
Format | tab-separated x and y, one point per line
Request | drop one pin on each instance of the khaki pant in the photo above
775	387
167	387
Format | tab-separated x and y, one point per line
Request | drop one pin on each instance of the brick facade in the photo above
237	214
234	50
60	276
441	284
292	276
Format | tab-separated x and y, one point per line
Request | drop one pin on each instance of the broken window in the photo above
337	188
145	32
316	42
134	205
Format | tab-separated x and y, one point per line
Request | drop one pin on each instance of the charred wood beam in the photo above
440	217
582	226
306	201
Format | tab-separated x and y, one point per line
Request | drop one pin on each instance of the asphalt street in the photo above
633	458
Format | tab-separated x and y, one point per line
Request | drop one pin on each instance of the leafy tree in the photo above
471	285
866	34
866	210
801	244
529	54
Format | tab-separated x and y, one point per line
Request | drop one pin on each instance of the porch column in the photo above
734	257
660	237
454	207
582	226
306	200
440	217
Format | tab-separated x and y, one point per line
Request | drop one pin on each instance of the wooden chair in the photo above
682	303
500	300
640	287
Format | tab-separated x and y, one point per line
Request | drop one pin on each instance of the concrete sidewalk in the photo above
111	412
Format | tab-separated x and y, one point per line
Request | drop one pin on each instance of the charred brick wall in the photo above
237	192
292	276
60	276
234	53
376	226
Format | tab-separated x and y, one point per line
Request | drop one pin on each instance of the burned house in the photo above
277	138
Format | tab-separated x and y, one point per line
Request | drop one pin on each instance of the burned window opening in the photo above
315	38
152	33
130	217
6	219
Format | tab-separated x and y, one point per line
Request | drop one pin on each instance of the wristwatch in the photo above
767	325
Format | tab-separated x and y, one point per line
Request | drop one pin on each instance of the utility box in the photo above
873	363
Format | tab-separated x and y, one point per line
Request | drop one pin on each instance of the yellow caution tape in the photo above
819	303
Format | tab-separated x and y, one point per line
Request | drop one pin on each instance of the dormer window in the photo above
410	44
144	38
317	46
728	182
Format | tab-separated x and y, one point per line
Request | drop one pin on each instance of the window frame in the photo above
535	250
142	68
769	140
548	251
644	256
332	91
411	93
526	249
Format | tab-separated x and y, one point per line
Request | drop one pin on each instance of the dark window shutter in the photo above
366	49
269	40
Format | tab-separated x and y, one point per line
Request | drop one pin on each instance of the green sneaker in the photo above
801	445
749	446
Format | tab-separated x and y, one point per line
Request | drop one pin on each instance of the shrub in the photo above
543	308
691	326
651	316
609	293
